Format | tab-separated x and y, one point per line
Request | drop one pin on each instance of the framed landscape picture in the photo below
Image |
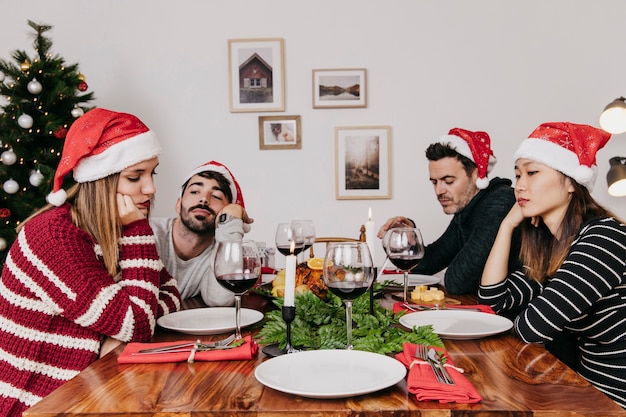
362	162
280	132
339	88
256	75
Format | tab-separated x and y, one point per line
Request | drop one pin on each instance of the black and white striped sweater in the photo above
587	296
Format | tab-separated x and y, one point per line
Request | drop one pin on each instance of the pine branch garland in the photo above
322	325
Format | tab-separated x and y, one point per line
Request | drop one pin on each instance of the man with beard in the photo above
210	209
458	164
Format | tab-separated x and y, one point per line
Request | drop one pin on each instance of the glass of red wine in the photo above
237	268
348	273
306	229
405	249
285	235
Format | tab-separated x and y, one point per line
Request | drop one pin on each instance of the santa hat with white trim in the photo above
220	168
100	143
566	147
476	146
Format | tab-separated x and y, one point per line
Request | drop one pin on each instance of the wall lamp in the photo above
613	118
616	177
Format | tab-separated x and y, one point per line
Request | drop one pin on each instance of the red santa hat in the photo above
215	166
475	146
567	147
100	143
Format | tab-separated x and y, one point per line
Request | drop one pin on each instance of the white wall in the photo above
502	67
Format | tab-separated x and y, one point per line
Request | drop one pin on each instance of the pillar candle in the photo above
370	235
290	278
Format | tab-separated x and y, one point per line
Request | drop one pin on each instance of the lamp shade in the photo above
616	177
613	118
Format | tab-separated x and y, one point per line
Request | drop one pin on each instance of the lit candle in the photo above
370	235
290	278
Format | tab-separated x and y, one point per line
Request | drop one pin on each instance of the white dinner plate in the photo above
414	279
210	320
458	324
265	278
330	373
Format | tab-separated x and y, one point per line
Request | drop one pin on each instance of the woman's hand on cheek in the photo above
514	217
127	210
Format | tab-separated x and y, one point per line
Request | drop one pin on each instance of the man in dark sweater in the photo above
458	166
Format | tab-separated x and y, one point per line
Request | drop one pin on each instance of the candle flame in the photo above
369	215
293	246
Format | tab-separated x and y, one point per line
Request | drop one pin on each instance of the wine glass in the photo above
304	228
237	268
405	249
348	273
285	236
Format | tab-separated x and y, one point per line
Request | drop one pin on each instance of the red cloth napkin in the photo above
392	271
397	306
422	382
244	352
268	270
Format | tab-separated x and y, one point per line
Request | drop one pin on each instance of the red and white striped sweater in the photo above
58	303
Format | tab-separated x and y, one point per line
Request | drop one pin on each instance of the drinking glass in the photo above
405	249
285	236
306	229
237	268
348	273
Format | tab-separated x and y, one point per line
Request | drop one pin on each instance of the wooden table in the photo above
515	379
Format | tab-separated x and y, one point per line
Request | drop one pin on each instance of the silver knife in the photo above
432	355
182	349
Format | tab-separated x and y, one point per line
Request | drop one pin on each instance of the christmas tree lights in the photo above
40	97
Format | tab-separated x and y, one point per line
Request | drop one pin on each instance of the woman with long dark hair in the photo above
573	252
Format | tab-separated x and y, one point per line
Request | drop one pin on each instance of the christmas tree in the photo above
40	97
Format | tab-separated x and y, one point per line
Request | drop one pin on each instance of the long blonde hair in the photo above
94	210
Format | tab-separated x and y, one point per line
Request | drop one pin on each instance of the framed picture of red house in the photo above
256	75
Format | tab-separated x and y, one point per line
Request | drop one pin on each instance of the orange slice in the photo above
315	263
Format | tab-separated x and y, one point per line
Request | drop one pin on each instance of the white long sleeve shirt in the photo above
196	276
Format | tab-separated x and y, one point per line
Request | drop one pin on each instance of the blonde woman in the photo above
573	251
85	268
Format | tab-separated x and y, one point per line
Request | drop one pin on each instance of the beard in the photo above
198	224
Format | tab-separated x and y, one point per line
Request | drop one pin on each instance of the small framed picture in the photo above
339	88
256	75
280	132
362	162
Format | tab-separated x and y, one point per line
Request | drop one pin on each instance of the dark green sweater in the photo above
465	245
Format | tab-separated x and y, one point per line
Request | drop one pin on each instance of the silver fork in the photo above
422	352
198	345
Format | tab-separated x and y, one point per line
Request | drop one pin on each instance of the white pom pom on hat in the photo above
569	148
476	146
57	198
101	143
